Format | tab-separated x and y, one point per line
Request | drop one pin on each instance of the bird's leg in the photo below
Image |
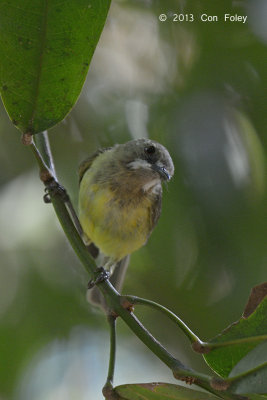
101	275
54	188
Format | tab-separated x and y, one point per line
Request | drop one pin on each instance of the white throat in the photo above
154	186
139	163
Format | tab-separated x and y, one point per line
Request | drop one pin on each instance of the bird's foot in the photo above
54	188
101	276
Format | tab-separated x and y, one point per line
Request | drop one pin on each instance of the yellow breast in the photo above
117	227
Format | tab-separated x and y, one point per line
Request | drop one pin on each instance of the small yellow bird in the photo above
120	197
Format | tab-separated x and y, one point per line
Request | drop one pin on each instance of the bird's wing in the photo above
83	167
86	164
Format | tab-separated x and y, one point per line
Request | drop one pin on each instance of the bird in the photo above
120	196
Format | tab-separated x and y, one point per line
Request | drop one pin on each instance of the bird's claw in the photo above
102	275
54	188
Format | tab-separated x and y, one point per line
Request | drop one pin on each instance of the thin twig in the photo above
138	300
74	217
48	172
43	144
108	387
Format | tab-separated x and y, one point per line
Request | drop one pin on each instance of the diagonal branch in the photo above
187	331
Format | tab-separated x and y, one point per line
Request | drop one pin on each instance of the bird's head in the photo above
147	157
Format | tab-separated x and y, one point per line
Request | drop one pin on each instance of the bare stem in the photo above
43	144
112	353
138	300
48	172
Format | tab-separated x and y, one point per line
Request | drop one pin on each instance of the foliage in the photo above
223	359
45	50
160	391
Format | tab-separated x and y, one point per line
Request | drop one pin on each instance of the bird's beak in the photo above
161	171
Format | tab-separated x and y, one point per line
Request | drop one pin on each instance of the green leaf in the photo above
256	380
257	397
160	391
253	323
45	50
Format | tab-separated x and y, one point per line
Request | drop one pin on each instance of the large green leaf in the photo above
255	381
160	391
45	50
252	324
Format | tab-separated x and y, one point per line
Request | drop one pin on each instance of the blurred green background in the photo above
200	88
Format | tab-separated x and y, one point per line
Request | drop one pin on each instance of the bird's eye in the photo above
150	150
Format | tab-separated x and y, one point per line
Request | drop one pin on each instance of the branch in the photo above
42	143
48	177
108	388
138	300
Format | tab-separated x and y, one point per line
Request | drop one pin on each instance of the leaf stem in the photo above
46	164
138	300
112	356
44	158
43	144
45	173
